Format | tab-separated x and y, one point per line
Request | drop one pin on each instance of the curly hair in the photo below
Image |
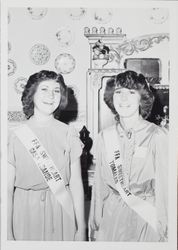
31	87
131	80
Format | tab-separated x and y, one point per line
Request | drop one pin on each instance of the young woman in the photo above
45	192
129	197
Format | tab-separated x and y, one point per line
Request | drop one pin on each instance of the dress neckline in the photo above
144	124
41	124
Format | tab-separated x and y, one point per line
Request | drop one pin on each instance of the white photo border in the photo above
18	245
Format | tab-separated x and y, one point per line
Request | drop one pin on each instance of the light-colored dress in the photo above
145	163
37	215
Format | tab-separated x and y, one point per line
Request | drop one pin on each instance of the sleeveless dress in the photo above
145	163
37	215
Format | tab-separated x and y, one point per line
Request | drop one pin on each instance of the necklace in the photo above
129	131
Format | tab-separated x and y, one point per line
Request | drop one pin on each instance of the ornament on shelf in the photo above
100	54
86	30
163	120
101	32
110	30
94	30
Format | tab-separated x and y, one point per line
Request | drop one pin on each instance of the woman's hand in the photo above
10	236
76	188
80	235
10	194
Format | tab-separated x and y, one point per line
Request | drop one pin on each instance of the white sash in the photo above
141	207
46	166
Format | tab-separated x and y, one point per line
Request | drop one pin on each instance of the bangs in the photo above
130	80
127	85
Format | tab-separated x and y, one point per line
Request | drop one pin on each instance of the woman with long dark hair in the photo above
45	192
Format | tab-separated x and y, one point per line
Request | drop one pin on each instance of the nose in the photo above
51	94
124	96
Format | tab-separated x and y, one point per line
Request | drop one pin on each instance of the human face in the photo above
126	102
47	97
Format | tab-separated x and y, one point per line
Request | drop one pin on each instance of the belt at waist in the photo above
37	188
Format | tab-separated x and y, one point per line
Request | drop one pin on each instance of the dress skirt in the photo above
40	217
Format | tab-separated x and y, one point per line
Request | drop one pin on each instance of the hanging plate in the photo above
39	54
19	84
65	36
159	15
76	13
11	67
103	15
37	13
64	63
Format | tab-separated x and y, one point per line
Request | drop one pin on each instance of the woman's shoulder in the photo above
158	130
67	129
61	125
12	131
108	131
159	133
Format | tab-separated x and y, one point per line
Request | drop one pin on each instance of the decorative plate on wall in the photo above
159	15
103	15
9	47
11	67
64	63
37	13
19	84
76	13
65	36
39	54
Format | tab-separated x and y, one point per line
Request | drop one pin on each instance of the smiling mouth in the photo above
124	106
48	103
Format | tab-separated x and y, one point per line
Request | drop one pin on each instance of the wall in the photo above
25	30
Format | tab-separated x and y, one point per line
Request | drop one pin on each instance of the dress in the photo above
111	219
37	215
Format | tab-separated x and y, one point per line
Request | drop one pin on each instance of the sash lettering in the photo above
115	162
46	166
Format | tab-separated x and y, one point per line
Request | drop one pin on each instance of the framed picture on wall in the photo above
149	67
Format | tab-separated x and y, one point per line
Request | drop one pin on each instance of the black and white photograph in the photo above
89	125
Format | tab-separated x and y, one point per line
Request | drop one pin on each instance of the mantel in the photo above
107	49
108	38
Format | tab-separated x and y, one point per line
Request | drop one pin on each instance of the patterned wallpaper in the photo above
50	38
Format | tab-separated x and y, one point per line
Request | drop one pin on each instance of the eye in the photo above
57	91
132	91
118	91
44	89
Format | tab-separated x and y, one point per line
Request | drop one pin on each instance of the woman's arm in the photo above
99	191
76	187
161	188
10	196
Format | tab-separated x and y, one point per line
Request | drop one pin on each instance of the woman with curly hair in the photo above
129	196
45	191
